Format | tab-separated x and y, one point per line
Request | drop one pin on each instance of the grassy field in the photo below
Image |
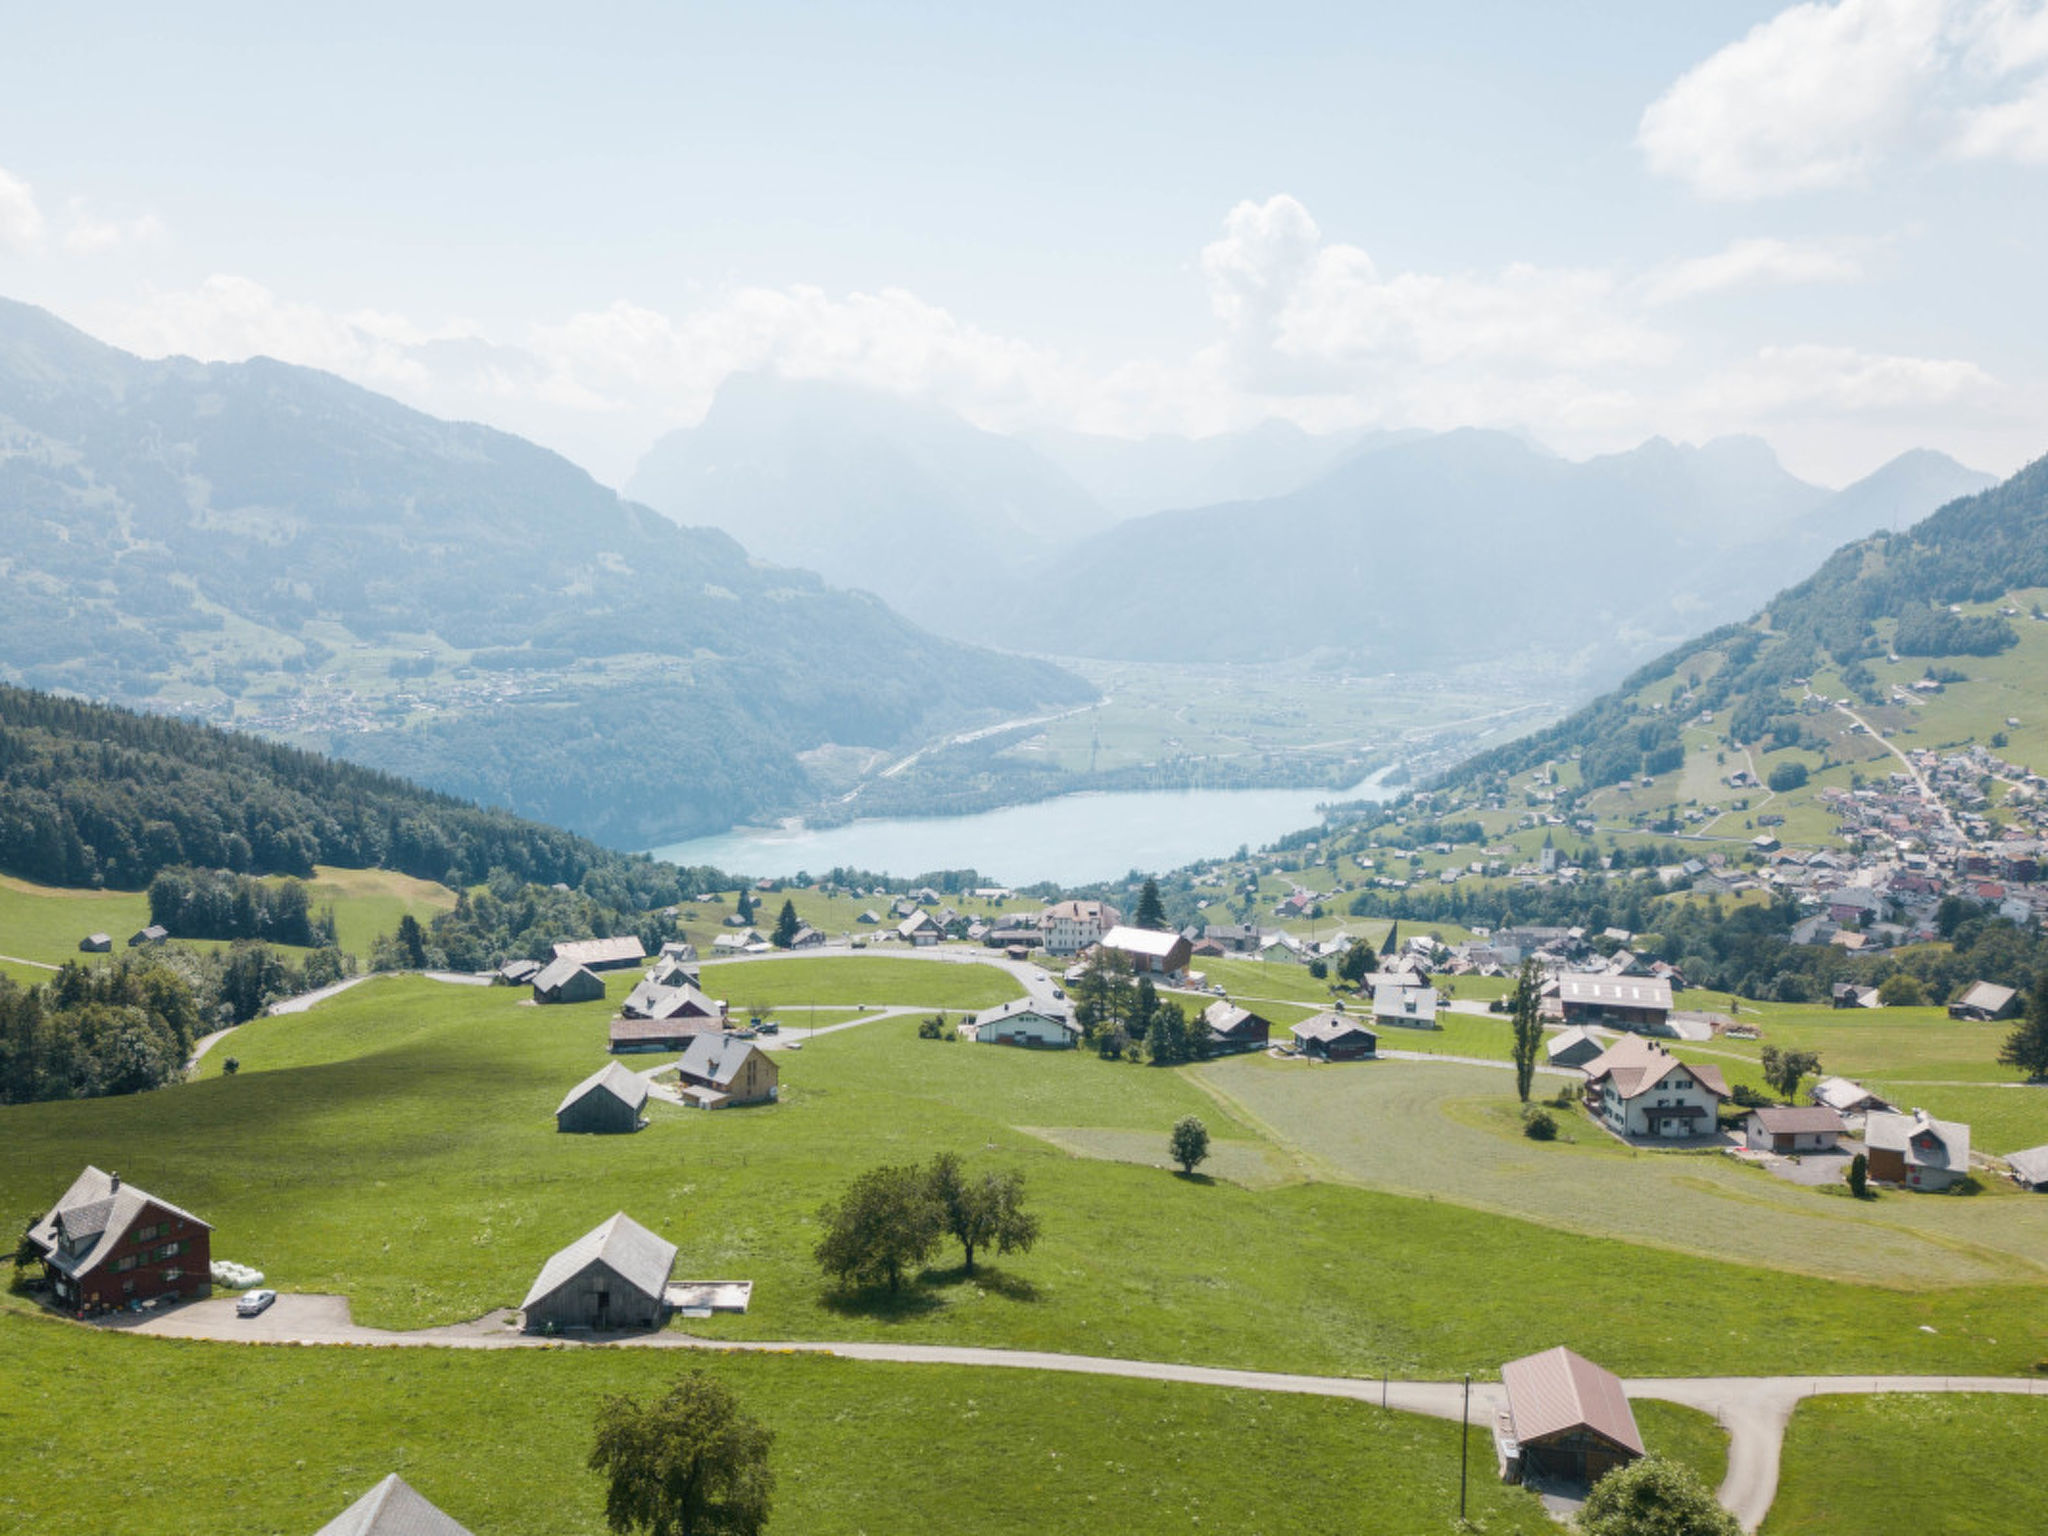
395	1144
853	980
1453	1133
369	902
1914	1466
1684	1434
860	1447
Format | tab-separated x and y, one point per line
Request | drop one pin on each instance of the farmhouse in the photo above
1567	1420
564	981
682	1000
620	954
613	1277
1071	926
1629	1002
920	928
608	1102
1023	1022
722	1069
1150	953
1335	1037
1845	1097
1916	1150
1404	1007
1787	1130
807	937
96	943
105	1244
1985	1001
1638	1088
1233	1029
392	1508
1574	1047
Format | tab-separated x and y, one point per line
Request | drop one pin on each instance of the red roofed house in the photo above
1638	1088
106	1244
1567	1421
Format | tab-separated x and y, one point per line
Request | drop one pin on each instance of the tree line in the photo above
218	904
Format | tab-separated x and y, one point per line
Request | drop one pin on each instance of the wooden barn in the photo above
1330	1036
106	1243
96	943
564	981
1233	1029
624	953
613	1277
1567	1421
608	1102
392	1508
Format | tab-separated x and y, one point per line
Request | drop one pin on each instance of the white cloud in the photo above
1822	94
21	221
85	235
1747	264
1812	378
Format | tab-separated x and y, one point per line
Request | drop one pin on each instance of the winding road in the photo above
1753	1409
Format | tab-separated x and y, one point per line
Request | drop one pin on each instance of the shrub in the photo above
230	1067
1539	1124
1787	776
1859	1176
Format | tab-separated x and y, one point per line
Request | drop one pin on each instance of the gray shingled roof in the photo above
1018	1007
392	1508
93	1208
623	1246
554	973
613	1079
717	1057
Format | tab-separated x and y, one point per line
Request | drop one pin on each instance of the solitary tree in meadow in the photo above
691	1463
884	1225
1528	1025
1190	1143
1784	1069
983	1210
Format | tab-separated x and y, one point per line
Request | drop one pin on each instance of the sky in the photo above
1588	223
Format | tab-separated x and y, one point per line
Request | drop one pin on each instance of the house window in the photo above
144	1234
170	1250
125	1262
173	1276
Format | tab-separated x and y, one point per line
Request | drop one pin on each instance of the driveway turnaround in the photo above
1754	1410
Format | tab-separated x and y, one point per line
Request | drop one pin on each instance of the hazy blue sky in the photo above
1590	222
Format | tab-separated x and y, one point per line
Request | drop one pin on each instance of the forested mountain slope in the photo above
95	795
1935	604
272	546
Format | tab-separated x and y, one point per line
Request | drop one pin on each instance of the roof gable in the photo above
628	1087
621	1245
1558	1391
392	1508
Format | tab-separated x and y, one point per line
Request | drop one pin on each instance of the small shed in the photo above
730	1068
519	973
564	981
1567	1420
608	1102
155	933
613	1277
1574	1047
96	944
1845	1097
392	1508
1330	1036
2030	1168
1984	1001
1787	1130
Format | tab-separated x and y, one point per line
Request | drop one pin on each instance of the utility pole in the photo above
1464	1446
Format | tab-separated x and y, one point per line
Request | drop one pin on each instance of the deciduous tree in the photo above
983	1210
885	1224
1358	963
1654	1497
691	1463
1784	1069
1190	1143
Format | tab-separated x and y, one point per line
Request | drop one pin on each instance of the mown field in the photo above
498	1439
1904	1465
396	1145
857	980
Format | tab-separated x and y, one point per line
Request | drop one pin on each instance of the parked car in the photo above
253	1302
770	1027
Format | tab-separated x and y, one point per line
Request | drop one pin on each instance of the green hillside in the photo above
269	546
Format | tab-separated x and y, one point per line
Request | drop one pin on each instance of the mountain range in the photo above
1270	544
269	545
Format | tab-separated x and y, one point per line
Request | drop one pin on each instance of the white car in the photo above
253	1302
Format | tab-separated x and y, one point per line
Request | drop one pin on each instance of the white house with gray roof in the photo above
615	1276
1024	1022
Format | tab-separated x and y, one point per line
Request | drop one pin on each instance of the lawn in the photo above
396	1145
1684	1434
369	902
859	1446
849	980
41	922
1961	1465
1452	1132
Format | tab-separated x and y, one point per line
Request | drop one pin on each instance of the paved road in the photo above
1753	1409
